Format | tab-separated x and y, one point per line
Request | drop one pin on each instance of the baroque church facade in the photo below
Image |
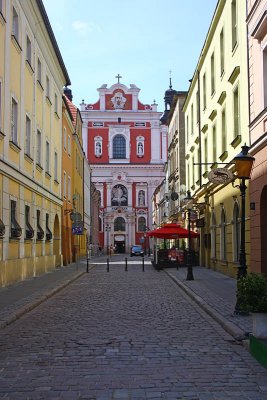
126	147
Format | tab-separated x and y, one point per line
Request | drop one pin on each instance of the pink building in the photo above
257	47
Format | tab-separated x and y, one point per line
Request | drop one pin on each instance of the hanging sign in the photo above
220	176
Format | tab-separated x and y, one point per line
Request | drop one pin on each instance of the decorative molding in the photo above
236	141
234	75
14	146
224	155
16	43
222	97
204	128
213	115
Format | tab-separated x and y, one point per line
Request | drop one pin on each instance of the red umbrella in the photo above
172	231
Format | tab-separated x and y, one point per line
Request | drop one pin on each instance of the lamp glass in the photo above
244	166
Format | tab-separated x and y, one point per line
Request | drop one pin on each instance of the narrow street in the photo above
124	335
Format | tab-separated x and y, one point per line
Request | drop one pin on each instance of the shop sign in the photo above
220	176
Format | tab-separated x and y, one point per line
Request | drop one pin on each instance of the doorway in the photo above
119	246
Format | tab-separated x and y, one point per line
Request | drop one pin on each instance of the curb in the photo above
35	303
229	327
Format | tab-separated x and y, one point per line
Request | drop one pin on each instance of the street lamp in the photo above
243	166
188	206
108	229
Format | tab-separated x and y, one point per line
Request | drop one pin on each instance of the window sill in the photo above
2	18
236	141
224	262
56	114
224	155
28	158
39	167
48	101
2	135
47	175
56	181
16	43
40	85
29	67
14	146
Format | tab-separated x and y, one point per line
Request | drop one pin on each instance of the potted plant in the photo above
252	298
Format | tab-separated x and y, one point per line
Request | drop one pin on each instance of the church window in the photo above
141	224
119	196
119	146
119	224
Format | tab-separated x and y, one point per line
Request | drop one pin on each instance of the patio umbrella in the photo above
172	231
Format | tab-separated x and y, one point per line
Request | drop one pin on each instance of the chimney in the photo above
68	93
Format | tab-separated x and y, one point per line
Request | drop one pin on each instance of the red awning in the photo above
172	231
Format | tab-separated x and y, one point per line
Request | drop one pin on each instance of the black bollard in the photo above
87	265
143	262
126	264
107	264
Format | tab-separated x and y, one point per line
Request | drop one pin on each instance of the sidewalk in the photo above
21	297
216	294
213	291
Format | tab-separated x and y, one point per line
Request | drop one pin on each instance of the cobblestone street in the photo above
124	335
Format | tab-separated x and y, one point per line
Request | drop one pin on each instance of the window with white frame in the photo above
234	23
65	138
69	145
64	184
223	235
69	188
119	224
214	143
56	103
187	129
236	112
204	92
192	119
212	74
222	46
39	71
56	166
38	146
224	133
119	146
47	156
206	153
28	136
15	24
28	50
14	121
140	146
47	87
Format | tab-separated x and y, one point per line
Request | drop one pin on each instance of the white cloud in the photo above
83	28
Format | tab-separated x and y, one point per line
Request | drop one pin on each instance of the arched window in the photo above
119	196
119	224
141	198
223	235
119	146
213	235
236	233
141	224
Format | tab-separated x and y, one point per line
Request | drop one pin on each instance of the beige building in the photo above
257	44
216	118
32	74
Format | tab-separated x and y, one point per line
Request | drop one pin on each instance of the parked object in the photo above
137	250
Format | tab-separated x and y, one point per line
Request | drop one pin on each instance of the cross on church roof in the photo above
118	77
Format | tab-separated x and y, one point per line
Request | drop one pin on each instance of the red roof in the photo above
73	109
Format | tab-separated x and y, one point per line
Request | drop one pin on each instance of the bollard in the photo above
143	262
87	265
126	264
107	264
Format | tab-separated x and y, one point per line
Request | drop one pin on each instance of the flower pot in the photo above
259	329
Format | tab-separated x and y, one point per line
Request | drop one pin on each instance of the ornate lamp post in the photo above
243	166
188	206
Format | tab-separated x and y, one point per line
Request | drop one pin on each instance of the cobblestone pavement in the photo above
217	290
124	335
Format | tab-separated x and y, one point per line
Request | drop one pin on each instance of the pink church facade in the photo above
126	147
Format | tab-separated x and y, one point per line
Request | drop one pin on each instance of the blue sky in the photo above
141	40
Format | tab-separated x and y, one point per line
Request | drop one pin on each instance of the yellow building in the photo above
32	74
216	118
78	241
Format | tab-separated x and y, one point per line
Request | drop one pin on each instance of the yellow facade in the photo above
32	77
216	118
